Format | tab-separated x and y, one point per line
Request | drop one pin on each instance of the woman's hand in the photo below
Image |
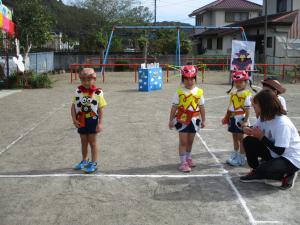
247	131
258	133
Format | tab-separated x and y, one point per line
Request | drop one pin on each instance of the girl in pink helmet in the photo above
237	115
187	115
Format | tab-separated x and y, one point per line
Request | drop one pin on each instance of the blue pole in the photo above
107	49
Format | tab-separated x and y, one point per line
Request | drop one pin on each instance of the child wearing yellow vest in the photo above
237	115
187	107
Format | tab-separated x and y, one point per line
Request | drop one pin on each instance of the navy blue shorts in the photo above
189	129
90	126
232	127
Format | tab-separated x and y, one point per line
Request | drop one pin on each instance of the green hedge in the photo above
34	80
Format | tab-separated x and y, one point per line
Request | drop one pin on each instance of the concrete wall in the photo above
207	19
41	62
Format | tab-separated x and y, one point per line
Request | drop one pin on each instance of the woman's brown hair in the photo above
269	104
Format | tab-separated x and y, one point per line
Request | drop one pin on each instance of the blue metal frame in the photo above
178	47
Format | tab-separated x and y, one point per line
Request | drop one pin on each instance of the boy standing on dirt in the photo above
87	115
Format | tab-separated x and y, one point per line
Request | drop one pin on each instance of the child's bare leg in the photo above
236	142
183	144
92	140
240	138
191	137
84	146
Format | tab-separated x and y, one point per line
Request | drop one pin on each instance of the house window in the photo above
220	43
269	42
281	6
231	17
199	20
209	44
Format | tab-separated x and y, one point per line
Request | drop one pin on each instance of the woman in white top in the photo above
275	139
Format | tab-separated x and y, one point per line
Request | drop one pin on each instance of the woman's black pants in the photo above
269	168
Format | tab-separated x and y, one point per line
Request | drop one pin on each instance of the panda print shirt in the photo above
88	101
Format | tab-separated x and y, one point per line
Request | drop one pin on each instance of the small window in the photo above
269	42
209	44
199	20
231	17
220	43
281	6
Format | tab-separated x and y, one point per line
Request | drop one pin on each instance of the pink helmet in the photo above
240	75
189	71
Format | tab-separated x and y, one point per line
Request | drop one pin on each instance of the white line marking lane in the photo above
47	116
233	187
112	175
4	93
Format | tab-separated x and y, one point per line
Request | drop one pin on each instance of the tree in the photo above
110	13
34	24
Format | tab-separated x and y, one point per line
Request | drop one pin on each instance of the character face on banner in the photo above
242	61
242	56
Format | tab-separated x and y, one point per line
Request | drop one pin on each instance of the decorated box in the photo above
150	79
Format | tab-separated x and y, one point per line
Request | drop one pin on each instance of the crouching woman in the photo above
275	140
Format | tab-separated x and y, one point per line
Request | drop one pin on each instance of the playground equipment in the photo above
179	28
225	62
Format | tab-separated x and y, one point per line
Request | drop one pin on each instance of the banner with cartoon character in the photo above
242	55
6	23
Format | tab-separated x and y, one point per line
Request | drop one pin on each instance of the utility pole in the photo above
155	8
266	32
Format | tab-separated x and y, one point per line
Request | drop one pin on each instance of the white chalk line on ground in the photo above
233	187
5	93
48	115
112	175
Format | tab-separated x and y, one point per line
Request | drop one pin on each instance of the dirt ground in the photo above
137	182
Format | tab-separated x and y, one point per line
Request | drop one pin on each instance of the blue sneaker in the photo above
81	165
239	160
232	157
90	168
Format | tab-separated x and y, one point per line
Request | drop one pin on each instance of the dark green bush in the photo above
34	80
121	68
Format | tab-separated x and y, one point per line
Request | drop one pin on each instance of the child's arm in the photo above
247	113
100	120
73	114
172	116
202	113
225	120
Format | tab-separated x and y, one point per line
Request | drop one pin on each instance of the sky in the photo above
176	10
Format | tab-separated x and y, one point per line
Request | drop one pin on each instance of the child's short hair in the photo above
87	72
182	79
270	105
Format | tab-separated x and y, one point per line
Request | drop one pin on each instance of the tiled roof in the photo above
228	4
285	19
